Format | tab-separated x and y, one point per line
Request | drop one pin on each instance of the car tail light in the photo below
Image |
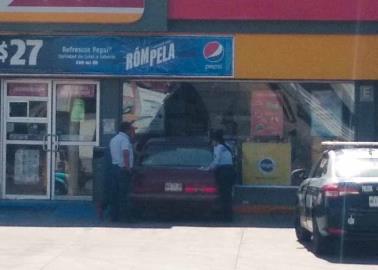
209	190
335	231
337	190
189	189
200	189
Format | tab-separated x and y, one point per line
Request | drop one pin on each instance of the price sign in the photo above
19	52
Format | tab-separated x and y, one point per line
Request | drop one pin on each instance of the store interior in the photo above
277	123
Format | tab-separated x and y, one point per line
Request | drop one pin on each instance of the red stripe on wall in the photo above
318	10
79	3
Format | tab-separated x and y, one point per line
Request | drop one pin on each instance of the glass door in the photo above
75	133
26	127
49	132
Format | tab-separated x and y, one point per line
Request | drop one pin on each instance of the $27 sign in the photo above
20	52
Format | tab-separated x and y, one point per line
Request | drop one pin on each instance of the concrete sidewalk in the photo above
68	235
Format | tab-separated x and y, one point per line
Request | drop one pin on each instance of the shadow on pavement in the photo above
356	253
83	214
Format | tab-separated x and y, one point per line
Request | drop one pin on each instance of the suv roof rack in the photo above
339	144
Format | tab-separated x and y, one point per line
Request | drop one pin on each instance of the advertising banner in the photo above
266	114
181	56
71	11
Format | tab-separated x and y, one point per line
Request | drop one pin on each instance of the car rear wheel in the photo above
302	234
320	242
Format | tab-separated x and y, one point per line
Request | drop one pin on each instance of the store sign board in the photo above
72	11
267	57
181	56
283	10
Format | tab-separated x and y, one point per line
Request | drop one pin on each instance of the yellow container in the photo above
266	163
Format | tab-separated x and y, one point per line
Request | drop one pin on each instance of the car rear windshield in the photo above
356	167
171	156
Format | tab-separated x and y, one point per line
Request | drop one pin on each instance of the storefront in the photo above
276	94
54	94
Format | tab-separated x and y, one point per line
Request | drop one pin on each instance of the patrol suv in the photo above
339	199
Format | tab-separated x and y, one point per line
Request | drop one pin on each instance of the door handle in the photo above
45	146
56	143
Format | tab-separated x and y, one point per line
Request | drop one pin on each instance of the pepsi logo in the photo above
267	165
213	52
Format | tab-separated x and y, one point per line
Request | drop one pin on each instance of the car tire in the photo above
320	243
302	234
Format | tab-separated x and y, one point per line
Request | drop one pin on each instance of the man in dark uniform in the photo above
122	154
222	165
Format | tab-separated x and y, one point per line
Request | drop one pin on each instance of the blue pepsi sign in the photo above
152	56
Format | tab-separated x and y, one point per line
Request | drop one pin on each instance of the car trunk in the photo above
160	180
367	197
359	210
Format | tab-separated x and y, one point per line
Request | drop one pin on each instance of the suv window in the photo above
321	168
177	156
356	167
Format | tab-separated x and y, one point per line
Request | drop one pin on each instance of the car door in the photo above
301	196
314	187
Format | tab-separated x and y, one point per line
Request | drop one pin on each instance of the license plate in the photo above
173	187
367	188
373	201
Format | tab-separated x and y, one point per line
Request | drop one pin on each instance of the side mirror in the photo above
298	176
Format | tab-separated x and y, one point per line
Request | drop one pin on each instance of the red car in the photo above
170	176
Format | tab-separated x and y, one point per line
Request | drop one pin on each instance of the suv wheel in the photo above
302	234
320	243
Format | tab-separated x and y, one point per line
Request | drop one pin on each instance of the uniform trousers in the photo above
119	191
225	179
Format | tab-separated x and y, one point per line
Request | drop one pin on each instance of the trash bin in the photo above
101	170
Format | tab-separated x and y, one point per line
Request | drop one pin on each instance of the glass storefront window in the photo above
38	109
73	171
32	109
76	112
275	127
26	170
26	131
18	109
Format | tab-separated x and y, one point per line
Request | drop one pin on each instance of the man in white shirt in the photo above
121	150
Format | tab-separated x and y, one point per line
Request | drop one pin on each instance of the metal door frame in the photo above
4	142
